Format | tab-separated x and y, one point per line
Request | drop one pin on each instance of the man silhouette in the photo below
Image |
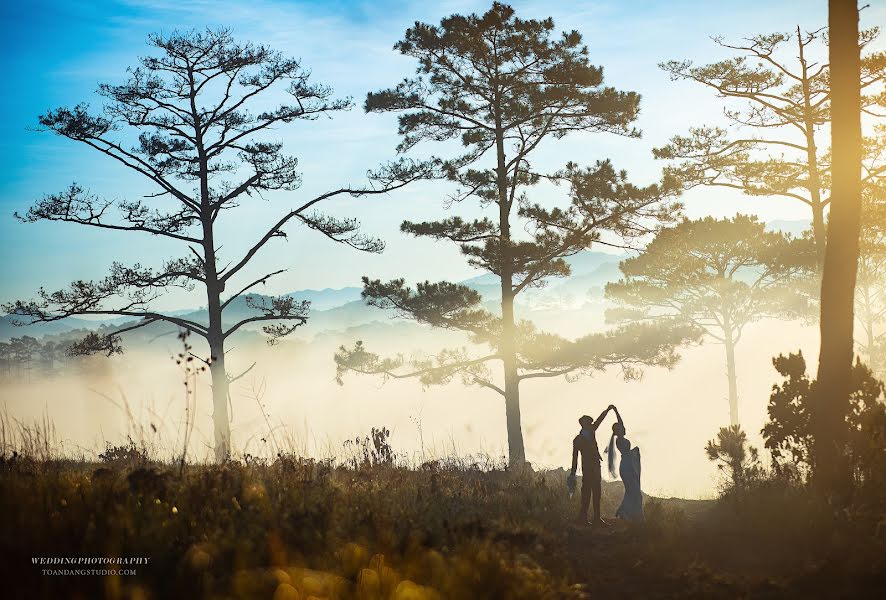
586	444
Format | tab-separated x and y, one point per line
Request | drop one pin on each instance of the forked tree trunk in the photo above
841	256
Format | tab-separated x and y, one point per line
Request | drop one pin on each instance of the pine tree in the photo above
205	153
718	275
502	86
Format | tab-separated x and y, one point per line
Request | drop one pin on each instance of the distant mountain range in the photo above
342	309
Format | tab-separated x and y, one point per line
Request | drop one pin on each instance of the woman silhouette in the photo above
631	507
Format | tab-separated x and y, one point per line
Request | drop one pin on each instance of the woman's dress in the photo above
629	469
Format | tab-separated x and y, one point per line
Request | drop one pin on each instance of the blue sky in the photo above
58	51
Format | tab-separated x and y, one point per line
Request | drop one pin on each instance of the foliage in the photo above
199	111
870	288
789	436
373	450
22	355
128	454
777	90
716	275
180	142
502	85
628	347
734	457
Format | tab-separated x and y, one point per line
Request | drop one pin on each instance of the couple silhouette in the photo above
585	444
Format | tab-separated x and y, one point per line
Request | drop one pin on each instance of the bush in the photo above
128	454
789	438
735	458
373	450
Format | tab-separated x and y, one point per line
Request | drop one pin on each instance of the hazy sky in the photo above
58	51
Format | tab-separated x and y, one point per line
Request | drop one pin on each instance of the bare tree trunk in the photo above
220	417
215	337
731	376
508	349
729	342
841	257
516	451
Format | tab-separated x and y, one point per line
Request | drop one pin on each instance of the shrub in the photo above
788	434
371	451
735	458
128	454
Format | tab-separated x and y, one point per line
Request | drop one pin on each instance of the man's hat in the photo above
585	419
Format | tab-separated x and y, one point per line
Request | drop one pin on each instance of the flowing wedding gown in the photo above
629	470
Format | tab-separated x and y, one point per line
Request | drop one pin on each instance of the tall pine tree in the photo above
198	111
501	86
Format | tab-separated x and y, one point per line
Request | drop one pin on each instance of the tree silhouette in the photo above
18	355
718	275
789	435
734	457
841	256
870	288
200	111
501	86
781	85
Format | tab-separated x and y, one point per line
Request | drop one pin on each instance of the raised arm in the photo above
618	416
602	416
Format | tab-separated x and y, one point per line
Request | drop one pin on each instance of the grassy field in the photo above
300	529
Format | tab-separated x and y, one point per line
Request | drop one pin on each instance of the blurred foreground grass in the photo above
300	529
